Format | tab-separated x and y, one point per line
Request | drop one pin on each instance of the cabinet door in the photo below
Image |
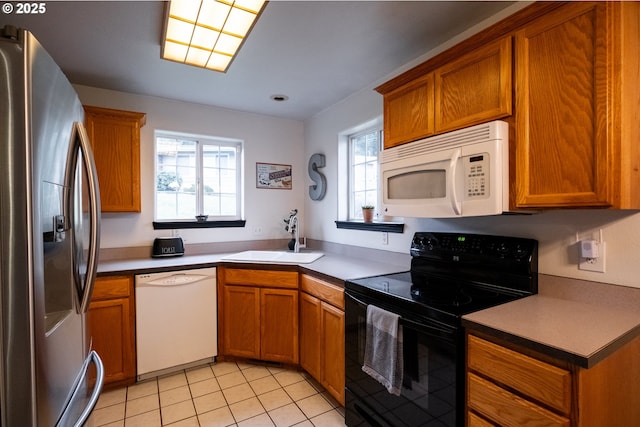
279	325
111	321
115	140
310	334
562	147
332	344
408	112
241	325
475	88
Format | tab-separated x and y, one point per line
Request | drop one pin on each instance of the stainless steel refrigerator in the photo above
49	241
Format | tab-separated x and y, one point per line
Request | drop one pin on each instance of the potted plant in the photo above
367	213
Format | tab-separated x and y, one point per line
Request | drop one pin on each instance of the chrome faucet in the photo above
294	225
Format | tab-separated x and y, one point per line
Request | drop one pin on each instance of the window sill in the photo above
172	225
388	227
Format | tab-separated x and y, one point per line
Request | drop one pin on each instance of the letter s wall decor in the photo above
316	191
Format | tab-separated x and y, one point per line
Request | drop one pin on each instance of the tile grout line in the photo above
243	371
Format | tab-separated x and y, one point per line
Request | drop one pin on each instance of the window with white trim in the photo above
363	170
197	175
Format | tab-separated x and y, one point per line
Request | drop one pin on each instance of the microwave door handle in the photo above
455	204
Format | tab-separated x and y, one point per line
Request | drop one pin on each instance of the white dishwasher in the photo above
176	320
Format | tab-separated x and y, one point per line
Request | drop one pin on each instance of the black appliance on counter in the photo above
452	274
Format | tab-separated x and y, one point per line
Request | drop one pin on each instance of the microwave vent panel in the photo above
472	135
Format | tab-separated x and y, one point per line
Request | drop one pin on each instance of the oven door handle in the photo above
431	327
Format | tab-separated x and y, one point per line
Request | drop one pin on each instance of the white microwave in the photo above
457	174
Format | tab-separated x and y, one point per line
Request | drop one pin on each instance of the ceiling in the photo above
315	52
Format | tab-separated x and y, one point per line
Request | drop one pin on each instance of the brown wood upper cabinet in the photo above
115	140
475	87
576	107
408	112
575	133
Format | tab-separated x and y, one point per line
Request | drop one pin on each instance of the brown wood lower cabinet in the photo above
259	314
111	319
508	388
265	315
322	333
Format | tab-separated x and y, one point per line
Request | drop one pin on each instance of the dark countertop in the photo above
576	321
569	326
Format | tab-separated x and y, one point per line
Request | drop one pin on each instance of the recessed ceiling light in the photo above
279	98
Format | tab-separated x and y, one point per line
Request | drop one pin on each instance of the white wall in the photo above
266	139
555	230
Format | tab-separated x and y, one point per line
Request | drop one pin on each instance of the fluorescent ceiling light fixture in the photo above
208	33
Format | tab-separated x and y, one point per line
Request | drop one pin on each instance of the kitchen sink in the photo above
276	257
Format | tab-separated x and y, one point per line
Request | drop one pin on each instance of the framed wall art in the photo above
271	175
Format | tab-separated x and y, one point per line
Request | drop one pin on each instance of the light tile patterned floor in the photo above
221	394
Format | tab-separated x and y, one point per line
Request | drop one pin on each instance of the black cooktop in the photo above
453	274
446	302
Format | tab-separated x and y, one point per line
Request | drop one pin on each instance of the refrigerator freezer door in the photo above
45	342
60	344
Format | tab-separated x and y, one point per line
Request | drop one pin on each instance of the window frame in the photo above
354	213
201	141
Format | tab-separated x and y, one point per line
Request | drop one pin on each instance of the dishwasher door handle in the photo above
174	280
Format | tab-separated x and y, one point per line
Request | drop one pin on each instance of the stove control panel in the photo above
475	248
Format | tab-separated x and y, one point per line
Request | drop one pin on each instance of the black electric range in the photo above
452	274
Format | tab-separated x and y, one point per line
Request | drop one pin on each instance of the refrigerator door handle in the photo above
92	400
94	212
95	394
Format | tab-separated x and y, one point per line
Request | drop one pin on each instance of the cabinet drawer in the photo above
506	408
271	278
539	380
112	287
475	421
325	291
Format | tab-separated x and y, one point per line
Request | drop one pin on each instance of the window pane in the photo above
227	181
363	150
371	180
212	204
359	178
186	205
359	201
194	174
175	163
373	145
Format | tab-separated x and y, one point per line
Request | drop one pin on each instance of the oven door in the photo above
433	385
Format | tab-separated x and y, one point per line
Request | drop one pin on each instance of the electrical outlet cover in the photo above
594	264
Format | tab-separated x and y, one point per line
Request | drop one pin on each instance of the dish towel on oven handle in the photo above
383	349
